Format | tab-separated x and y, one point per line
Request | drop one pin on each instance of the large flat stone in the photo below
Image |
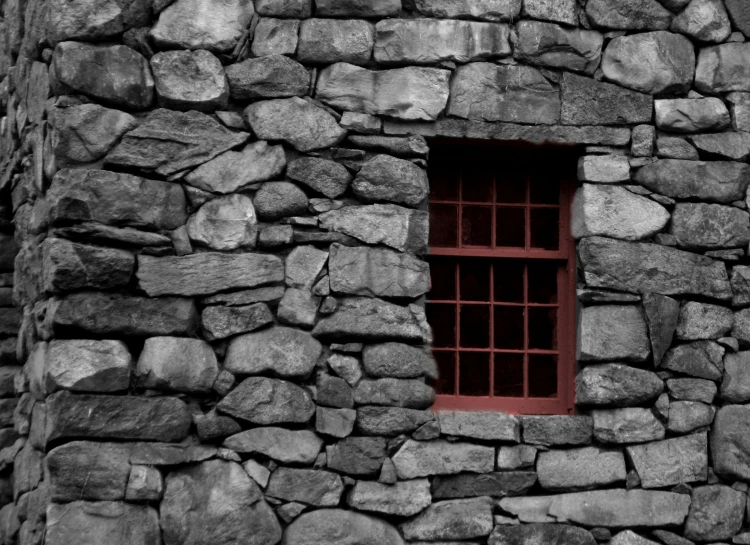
732	146
404	499
628	14
613	333
699	226
716	181
90	523
630	425
390	421
265	401
327	41
470	485
527	534
340	527
327	177
177	364
92	21
739	13
397	360
672	461
411	93
687	115
389	179
307	486
580	469
557	430
735	386
68	266
189	80
730	442
285	446
616	384
452	520
491	426
483	10
394	392
361	456
422	459
220	322
554	46
723	68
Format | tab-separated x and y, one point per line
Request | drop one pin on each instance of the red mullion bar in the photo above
525	331
492	324
457	273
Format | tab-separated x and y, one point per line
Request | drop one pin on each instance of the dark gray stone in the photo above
616	384
221	322
723	68
730	443
662	313
267	401
702	359
717	181
94	20
735	386
83	470
327	41
467	485
586	101
357	455
557	430
390	421
270	76
357	8
189	80
87	523
692	389
269	295
630	425
672	461
716	513
284	446
398	361
275	200
386	178
527	534
612	333
741	327
393	392
308	486
580	469
740	281
551	45
321	175
336	526
734	146
284	8
451	520
628	14
739	13
98	232
69	266
702	321
484	10
334	392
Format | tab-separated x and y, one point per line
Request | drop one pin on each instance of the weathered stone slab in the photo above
410	93
604	169
115	75
717	181
739	13
206	273
616	384
723	68
390	421
189	80
84	470
557	430
270	76
220	322
686	115
398	361
327	41
169	142
357	455
688	416
407	393
115	199
92	21
630	425
483	10
88	523
282	351
480	425
285	446
327	177
586	101
275	37
408	147
701	321
284	8
527	534
452	520
225	223
701	359
613	333
267	401
551	45
620	265
468	485
735	387
177	364
651	62
86	366
580	469
716	513
70	266
670	147
339	527
308	486
703	20
628	14
386	178
692	389
358	8
404	499
734	146
558	11
672	461
421	459
98	232
487	92
730	443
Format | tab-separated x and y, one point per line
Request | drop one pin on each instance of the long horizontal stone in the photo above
715	181
552	45
580	469
586	101
206	273
496	484
672	461
484	10
421	459
97	522
493	426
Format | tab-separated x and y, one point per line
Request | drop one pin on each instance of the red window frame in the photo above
560	164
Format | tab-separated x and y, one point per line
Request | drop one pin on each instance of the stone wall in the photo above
220	210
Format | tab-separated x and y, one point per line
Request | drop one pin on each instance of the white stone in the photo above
687	115
604	169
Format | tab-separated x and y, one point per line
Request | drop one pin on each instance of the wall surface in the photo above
218	210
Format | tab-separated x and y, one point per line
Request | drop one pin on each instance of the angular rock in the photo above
298	308
357	455
668	147
328	41
115	75
283	351
616	384
480	425
468	485
275	37
619	265
390	421
559	11
173	363
68	266
183	25
650	62
386	178
687	115
628	14
710	226
692	389
303	266
735	387
452	520
723	68
519	94
701	359
336	526
734	146
398	361
189	80
410	93
265	401
701	321
631	425
169	142
206	273
527	534
225	223
672	461
741	327
308	486
270	76
144	484
410	394
687	416
483	10
284	446
87	366
603	168
422	459
215	502
557	430
220	322
580	469
613	332
114	199
516	457
551	45
403	499
324	176
93	21
717	181
87	523
337	423
662	314
298	122
83	470
703	20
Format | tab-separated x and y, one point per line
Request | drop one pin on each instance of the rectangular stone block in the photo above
672	461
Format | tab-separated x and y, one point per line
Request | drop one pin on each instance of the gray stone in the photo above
723	68
275	37
628	14
516	457
668	147
189	80
390	421
298	308
398	361
386	178
687	416
183	24
662	314
629	537
483	10
615	212
357	455
730	443
284	446
701	321
98	232
337	423
284	8
616	384
703	20
716	513
692	389
336	526
613	332
308	486
688	115
403	499
173	363
361	123
220	322
487	92
276	200
422	459
91	21
357	8
245	297
115	75
603	168
83	470
408	147
672	461
225	223
327	41
210	426
642	140
85	133
393	392
739	14
451	520
469	485
410	93
710	226
630	425
551	45
84	366
557	430
650	62
144	484
303	266
480	425
619	265
701	359
270	76
580	469
741	328
206	273
215	502
88	523
735	387
333	392
300	123
68	266
321	175
734	146
393	226
559	11
169	142
527	534
739	108
265	401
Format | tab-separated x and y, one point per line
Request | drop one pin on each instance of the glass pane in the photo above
443	183
474	278
543	327
543	282
510	186
508	281
508	375
443	278
509	327
475	326
542	375
446	365
545	228
444	225
476	184
442	318
474	374
510	227
545	190
476	226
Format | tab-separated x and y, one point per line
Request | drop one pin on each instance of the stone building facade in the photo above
214	226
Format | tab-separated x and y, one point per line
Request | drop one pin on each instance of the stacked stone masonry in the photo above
217	212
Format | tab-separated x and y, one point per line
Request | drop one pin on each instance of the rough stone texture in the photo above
412	394
172	363
189	80
386	178
628	15
68	266
270	76
735	387
357	455
284	8
303	265
731	146
687	416
324	176
467	485
739	14
729	442
551	45
480	425
672	461
404	499
86	366
686	115
700	321
613	332
701	359
630	425
411	93
339	527
527	534
93	21
484	10
225	223
282	351
723	68
327	41
710	226
418	459
562	11
83	470
580	469
557	430
704	20
275	200
616	384
398	361
308	486
662	314
451	520
266	401
716	513
603	169
88	523
692	389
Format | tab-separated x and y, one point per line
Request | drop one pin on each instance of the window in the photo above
502	303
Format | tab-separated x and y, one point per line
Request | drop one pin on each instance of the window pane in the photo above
443	183
474	374
508	375
543	328
474	277
444	225
510	186
510	227
543	282
509	327
446	365
475	326
476	184
442	318
476	226
545	228
443	278
542	375
508	281
545	190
